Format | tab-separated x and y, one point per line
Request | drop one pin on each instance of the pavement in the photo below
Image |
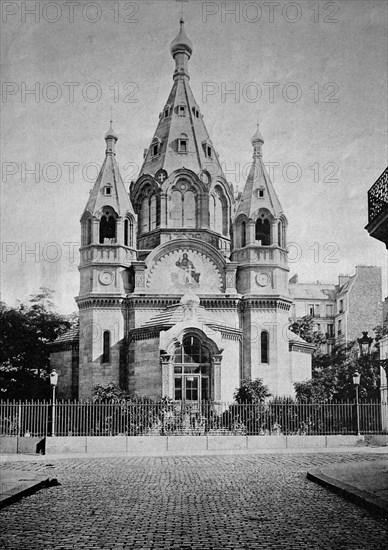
227	501
17	484
363	484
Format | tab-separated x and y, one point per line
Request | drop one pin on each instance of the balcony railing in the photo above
378	197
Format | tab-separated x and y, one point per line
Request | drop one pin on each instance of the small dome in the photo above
257	137
111	133
181	42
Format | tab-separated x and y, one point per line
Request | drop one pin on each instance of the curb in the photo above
365	499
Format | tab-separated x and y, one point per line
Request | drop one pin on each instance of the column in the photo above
167	375
275	231
120	231
217	377
95	231
251	237
163	210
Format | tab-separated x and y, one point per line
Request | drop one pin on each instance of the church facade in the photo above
183	288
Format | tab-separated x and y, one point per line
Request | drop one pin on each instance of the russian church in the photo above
183	286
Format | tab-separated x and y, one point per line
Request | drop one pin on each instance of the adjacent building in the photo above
378	229
341	311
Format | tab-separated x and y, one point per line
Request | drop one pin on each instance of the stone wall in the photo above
364	302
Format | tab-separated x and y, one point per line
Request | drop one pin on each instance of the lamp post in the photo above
356	382
53	382
364	343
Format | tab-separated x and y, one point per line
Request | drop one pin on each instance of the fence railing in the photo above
177	418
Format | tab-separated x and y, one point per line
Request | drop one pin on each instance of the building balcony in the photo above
378	209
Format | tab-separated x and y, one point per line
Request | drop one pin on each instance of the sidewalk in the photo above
15	484
364	484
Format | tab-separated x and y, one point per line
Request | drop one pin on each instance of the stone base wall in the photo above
154	445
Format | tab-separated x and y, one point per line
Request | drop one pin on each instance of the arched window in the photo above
148	212
183	207
153	212
219	214
128	232
243	234
107	227
106	347
89	231
264	345
176	209
212	208
189	209
263	231
145	215
280	234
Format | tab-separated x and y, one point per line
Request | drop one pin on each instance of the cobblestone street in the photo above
212	502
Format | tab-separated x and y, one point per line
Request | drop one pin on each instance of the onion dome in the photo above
181	42
257	137
111	133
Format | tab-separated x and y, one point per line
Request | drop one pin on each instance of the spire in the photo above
109	188
258	191
181	50
181	139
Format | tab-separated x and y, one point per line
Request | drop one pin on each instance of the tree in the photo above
111	393
251	391
304	327
24	356
332	375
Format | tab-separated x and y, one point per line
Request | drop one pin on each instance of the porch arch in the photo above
192	367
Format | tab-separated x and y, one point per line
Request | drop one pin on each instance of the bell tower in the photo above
108	237
259	249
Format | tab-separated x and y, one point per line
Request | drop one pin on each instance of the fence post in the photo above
19	426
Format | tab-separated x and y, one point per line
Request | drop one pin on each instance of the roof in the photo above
313	291
175	314
295	339
109	175
258	178
68	337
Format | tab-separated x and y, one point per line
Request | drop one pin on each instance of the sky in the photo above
313	73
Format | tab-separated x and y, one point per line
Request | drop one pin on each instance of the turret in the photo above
260	231
108	250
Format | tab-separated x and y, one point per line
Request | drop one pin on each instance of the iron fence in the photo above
177	418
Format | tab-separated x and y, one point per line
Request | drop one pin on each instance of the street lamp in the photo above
365	343
53	382
356	382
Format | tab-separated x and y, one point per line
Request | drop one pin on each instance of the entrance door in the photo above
192	367
192	384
